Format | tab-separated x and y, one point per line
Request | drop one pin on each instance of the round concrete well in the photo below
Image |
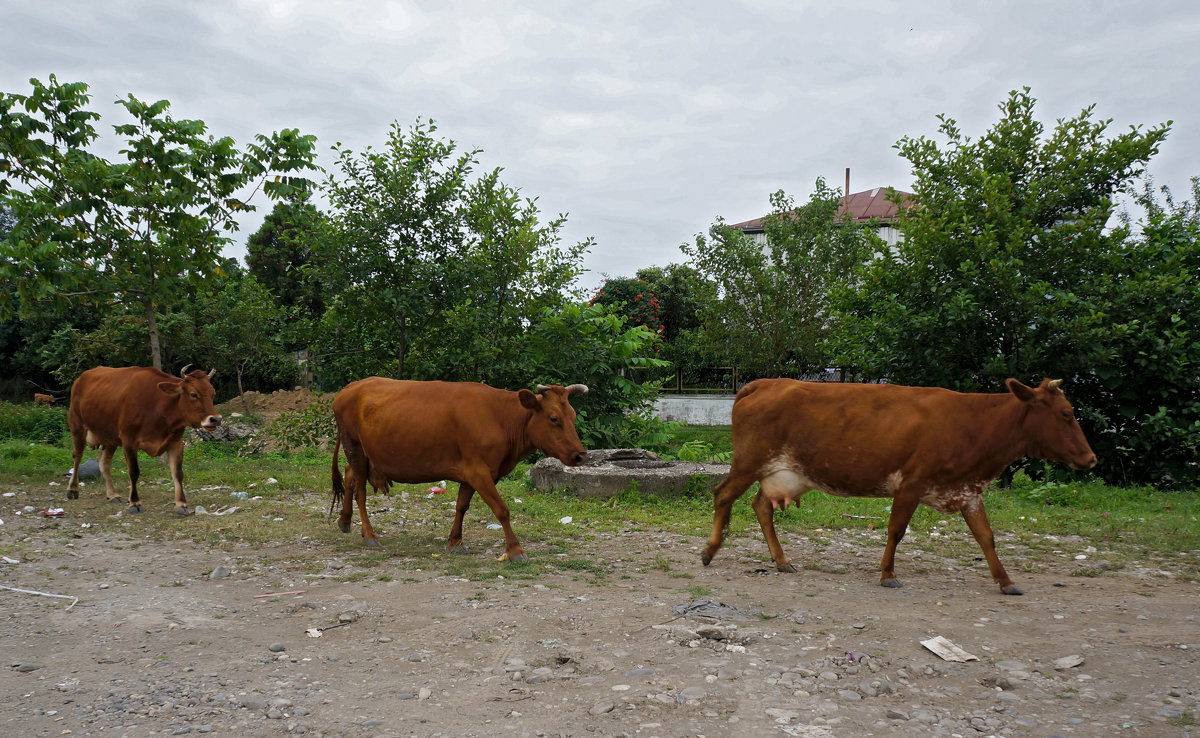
611	471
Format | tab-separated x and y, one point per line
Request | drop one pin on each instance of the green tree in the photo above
772	315
240	327
1141	395
139	231
683	296
388	251
1000	253
593	345
279	253
432	272
512	269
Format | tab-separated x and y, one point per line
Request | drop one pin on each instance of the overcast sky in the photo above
642	121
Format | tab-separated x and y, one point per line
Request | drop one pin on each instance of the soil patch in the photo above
270	405
183	637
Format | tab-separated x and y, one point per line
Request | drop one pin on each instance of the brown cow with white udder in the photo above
138	408
913	444
416	432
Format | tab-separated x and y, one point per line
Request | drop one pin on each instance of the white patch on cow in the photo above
951	499
891	484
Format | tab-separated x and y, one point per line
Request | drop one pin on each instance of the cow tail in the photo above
336	473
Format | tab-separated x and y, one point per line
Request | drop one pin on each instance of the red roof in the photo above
860	206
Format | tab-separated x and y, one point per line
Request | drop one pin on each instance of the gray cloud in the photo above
644	121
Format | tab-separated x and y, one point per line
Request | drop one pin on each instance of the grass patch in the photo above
1123	524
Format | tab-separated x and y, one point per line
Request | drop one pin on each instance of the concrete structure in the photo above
608	472
695	409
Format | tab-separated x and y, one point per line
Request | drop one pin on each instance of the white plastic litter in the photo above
494	526
947	651
565	520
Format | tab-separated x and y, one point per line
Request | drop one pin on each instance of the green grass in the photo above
1123	524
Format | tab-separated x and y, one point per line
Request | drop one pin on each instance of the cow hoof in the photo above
520	558
134	508
786	568
344	526
72	494
459	549
372	543
182	512
116	499
705	559
1011	589
894	583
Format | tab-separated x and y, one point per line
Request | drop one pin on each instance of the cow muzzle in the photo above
578	459
212	421
1087	463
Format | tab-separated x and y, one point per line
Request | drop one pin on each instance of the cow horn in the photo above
577	389
211	372
1053	384
183	371
543	387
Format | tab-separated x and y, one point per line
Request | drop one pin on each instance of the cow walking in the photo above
138	408
913	444
416	432
43	399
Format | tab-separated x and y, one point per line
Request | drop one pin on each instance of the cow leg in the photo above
368	533
486	487
105	459
175	461
766	520
903	508
347	513
977	521
131	461
733	487
78	442
465	493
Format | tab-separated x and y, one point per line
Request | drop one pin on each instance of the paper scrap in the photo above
947	651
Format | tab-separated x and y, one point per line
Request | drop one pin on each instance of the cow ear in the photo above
1023	392
170	388
528	399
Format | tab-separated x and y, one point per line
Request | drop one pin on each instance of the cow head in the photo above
1050	424
195	396
551	427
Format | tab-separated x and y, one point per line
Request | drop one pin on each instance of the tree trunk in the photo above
241	392
152	325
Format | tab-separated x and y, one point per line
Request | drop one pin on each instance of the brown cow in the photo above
416	432
42	399
913	444
136	408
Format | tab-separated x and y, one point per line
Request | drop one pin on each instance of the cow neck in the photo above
1003	417
518	435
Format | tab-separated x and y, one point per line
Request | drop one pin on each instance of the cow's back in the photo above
417	431
105	399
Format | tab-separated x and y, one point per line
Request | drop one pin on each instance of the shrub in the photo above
34	423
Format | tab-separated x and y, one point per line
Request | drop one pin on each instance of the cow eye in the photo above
195	396
553	418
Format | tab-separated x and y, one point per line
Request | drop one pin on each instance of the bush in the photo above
312	427
34	423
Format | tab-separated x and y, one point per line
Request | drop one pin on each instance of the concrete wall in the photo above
695	409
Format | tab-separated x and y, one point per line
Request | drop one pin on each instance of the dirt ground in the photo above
156	645
270	404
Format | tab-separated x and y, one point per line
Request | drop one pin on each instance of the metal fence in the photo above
716	380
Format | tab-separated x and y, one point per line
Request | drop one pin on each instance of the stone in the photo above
608	472
276	648
219	573
601	708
